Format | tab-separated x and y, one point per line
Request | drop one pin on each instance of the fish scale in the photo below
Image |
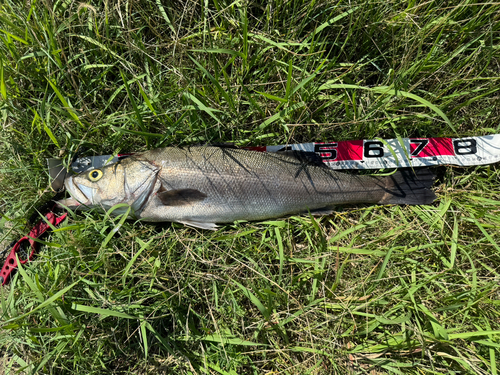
239	187
202	186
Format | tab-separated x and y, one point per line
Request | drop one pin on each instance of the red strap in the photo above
11	261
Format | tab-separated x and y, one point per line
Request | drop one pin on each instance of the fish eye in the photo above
95	175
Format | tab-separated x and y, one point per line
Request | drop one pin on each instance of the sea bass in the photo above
201	186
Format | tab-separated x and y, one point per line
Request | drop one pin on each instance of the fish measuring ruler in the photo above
359	154
400	153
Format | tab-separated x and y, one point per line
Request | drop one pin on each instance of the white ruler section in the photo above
399	153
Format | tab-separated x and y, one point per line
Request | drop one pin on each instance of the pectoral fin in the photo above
181	197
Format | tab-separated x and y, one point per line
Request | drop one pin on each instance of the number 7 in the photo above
421	145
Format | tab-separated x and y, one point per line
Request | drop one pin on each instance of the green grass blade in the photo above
467	335
117	227
385	90
272	97
289	80
135	132
254	300
65	104
329	23
454	242
144	246
220	50
103	313
303	83
134	104
50	134
281	114
281	253
165	16
45	303
227	340
200	106
144	338
3	88
15	37
146	100
384	264
103	47
223	92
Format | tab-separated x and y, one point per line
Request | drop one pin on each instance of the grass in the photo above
369	289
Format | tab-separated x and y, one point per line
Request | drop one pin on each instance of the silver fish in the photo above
204	185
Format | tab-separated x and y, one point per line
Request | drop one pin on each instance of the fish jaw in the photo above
121	183
80	195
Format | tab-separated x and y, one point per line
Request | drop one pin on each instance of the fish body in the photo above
202	186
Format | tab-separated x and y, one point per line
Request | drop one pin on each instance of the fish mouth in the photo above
81	195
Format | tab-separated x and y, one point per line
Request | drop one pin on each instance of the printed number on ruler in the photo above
419	147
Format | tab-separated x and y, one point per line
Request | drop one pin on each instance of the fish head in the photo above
129	181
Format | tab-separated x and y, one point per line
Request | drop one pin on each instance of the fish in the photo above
202	186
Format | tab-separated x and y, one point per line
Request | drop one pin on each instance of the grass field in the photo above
367	290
